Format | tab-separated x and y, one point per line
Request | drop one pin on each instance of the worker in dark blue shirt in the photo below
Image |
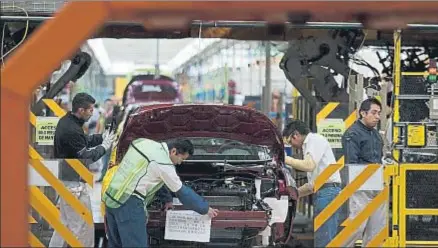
363	145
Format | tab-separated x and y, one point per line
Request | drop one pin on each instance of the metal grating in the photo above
421	189
225	201
422	227
410	85
413	110
47	7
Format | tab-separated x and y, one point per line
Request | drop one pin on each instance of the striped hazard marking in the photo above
41	204
326	111
352	224
349	225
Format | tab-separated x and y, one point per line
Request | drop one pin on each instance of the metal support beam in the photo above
383	119
267	90
262	24
281	110
246	24
307	25
356	92
396	220
302	86
352	92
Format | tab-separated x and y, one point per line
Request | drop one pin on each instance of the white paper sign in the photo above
187	225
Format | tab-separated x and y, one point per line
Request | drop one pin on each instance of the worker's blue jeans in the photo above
126	225
329	229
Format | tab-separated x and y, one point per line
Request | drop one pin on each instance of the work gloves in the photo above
108	139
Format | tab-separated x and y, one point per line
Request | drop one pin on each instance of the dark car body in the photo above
238	166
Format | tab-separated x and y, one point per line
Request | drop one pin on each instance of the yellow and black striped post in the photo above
350	225
42	204
328	111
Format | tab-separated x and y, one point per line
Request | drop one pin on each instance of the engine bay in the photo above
241	188
232	193
239	191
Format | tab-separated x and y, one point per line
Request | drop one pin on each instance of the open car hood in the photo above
169	121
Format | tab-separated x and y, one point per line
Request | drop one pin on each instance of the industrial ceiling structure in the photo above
121	47
121	56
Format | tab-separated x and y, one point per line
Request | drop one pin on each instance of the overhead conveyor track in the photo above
242	24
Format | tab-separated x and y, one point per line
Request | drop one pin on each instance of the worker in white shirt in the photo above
318	155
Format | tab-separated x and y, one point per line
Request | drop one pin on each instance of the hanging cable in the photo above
358	49
3	34
200	36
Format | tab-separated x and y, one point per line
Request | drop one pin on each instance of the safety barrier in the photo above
417	214
418	208
41	203
326	114
360	178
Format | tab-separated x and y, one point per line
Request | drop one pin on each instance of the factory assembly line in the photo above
238	163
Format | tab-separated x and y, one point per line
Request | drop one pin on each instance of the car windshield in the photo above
150	91
226	149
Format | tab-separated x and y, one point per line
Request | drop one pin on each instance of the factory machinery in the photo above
311	64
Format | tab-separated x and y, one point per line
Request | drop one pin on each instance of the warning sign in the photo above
332	129
45	130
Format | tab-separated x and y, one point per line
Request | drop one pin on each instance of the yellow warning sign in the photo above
45	130
416	135
332	129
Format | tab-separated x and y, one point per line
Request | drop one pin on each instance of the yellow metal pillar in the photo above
396	130
295	95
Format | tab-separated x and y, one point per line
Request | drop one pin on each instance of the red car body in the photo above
223	133
145	89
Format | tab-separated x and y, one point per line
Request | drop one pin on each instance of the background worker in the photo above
363	145
128	194
107	119
71	142
318	155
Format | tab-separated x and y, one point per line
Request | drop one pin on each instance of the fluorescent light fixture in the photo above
192	49
100	53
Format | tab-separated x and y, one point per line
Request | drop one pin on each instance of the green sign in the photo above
332	129
45	130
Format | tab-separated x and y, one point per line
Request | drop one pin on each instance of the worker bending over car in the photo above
146	167
318	155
